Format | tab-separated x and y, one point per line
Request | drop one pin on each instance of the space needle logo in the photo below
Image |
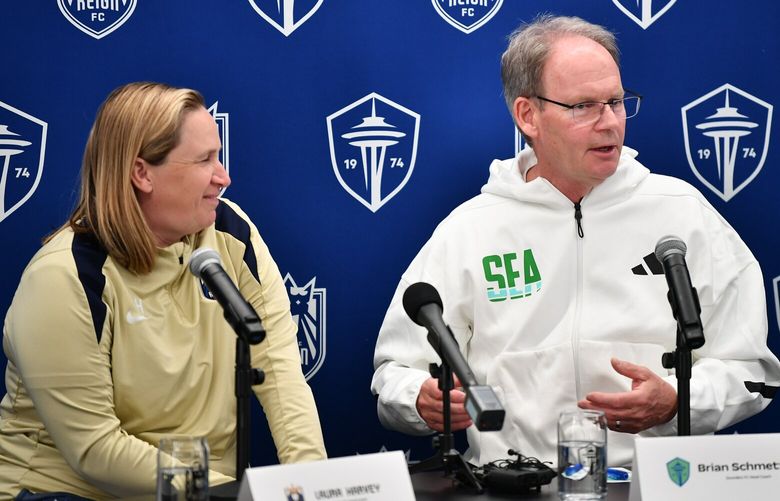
726	138
286	15
643	12
373	147
22	151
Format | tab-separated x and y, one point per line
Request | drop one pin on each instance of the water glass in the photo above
183	469
582	455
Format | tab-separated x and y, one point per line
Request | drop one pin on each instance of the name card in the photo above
367	477
712	467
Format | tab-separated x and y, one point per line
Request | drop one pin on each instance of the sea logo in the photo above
643	12
509	279
373	147
726	138
679	471
307	305
223	126
467	15
293	493
22	152
97	18
286	15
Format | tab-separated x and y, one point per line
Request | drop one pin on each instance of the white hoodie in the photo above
539	311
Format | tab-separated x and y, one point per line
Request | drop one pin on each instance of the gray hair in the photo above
529	47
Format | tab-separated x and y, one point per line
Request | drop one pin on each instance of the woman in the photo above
112	343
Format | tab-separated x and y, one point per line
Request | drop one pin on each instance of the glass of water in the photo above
183	469
582	455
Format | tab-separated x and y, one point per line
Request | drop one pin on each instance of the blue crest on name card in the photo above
223	128
679	471
286	15
373	148
726	134
97	18
467	15
307	305
644	12
22	153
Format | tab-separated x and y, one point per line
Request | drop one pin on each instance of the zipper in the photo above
575	341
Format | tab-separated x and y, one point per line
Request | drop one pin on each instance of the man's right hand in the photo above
430	405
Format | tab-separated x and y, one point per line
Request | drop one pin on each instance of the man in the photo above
536	280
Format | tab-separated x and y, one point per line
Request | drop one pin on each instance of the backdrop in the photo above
343	214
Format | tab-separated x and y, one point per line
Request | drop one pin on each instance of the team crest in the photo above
97	18
22	151
467	15
307	305
293	493
286	15
726	138
373	147
520	143
643	12
223	127
679	471
776	290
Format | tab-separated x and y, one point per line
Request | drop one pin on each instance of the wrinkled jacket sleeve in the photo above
286	398
734	373
67	372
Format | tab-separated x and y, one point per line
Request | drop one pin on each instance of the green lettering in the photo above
529	266
490	276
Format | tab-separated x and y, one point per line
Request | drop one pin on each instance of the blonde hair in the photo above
141	119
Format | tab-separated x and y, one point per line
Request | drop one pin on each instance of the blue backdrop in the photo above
352	127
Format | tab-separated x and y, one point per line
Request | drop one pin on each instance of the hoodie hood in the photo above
507	180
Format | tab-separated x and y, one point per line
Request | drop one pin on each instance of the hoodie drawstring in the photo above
578	218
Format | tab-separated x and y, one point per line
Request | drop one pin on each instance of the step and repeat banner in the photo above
289	82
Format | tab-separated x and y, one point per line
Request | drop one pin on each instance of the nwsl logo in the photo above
97	18
467	15
726	138
373	147
286	15
643	12
22	151
223	127
307	305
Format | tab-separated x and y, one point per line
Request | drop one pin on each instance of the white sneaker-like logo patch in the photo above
136	313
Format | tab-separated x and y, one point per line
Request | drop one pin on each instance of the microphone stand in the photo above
447	457
246	377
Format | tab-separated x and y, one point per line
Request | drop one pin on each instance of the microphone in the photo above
683	298
206	264
423	305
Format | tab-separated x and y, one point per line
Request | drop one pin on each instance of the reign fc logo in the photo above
307	305
467	15
286	15
22	151
223	127
373	147
726	138
644	12
97	18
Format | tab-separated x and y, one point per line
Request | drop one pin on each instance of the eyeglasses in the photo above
590	111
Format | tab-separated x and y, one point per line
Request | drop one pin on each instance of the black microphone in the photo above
423	305
683	298
207	266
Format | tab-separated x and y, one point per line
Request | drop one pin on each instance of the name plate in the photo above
712	467
367	477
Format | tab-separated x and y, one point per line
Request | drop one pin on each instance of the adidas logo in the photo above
650	266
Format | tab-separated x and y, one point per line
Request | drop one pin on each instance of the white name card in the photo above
367	477
712	467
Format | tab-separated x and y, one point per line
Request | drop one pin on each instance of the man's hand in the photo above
430	405
651	401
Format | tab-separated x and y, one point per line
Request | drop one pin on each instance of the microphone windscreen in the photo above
418	295
202	257
669	244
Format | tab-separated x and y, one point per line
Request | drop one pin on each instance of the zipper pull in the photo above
578	218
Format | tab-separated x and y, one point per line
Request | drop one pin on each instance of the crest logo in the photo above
286	15
726	138
467	15
520	143
776	289
223	127
22	151
307	305
293	493
643	12
97	18
679	471
373	147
